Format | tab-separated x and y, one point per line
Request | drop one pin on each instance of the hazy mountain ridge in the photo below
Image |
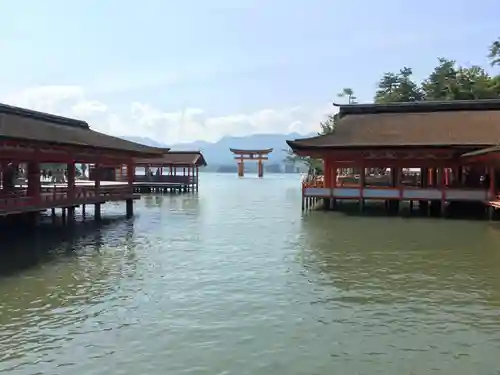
218	152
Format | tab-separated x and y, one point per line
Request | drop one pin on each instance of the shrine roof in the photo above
28	125
176	158
420	124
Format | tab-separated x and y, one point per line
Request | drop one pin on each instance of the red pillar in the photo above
442	182
492	187
97	189
327	182
362	183
97	176
130	179
260	168
130	174
241	168
334	175
196	179
71	181
34	184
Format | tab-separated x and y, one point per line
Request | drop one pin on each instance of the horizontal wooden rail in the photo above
58	196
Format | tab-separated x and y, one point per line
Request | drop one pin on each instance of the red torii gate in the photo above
257	155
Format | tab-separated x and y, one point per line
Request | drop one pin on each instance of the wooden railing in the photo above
315	182
166	179
56	196
354	180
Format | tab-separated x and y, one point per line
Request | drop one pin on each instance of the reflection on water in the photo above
235	281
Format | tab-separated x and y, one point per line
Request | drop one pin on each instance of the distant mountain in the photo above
143	141
218	153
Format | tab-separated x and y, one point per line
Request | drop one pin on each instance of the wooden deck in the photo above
57	196
404	193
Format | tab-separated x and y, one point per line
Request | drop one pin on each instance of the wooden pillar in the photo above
97	187
424	174
362	183
492	192
460	175
241	167
71	190
260	168
423	205
327	173
333	179
34	184
392	204
399	173
130	180
196	179
442	186
4	166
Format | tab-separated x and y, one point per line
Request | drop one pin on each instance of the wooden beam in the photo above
247	158
374	154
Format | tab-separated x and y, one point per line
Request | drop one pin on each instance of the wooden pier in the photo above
450	144
30	139
173	172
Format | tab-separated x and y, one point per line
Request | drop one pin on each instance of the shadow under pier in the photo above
26	246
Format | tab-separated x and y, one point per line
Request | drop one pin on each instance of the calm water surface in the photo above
236	281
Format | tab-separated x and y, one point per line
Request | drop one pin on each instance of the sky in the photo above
180	71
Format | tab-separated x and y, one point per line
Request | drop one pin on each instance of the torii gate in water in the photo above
257	155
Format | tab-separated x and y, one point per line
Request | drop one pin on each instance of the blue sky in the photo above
180	71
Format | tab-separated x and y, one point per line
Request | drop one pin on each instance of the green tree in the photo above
440	85
474	83
348	93
328	126
451	82
494	54
398	87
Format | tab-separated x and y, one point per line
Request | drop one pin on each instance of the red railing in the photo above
313	182
57	196
165	179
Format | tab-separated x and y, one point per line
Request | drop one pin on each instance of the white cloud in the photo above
185	125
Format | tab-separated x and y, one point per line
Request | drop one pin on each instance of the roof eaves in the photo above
419	107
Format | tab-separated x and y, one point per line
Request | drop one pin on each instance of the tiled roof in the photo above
176	158
22	124
470	123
